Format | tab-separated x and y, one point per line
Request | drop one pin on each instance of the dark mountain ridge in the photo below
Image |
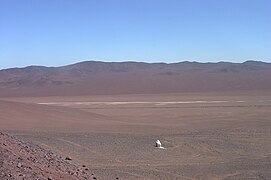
96	78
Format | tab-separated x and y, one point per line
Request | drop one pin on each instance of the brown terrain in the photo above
213	120
101	78
20	160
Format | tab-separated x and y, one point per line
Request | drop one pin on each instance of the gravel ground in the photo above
20	160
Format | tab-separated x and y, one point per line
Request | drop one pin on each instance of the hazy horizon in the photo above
152	62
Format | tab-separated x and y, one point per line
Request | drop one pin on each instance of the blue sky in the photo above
59	32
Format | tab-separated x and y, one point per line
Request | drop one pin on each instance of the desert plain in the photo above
211	135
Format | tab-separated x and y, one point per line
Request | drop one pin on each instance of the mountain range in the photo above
108	78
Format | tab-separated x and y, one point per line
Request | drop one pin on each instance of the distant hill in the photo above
106	78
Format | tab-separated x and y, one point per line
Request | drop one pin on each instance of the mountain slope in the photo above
21	160
92	78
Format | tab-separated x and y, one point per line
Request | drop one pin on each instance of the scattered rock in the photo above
68	158
19	160
19	165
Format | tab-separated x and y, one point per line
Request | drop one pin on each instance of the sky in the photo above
60	32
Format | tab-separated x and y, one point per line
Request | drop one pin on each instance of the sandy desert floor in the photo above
206	136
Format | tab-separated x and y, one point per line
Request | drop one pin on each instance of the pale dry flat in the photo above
205	135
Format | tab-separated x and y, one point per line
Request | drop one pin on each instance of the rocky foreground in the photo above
20	160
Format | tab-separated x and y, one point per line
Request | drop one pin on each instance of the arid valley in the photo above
205	135
213	119
135	89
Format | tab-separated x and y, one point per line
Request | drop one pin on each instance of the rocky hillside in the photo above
19	160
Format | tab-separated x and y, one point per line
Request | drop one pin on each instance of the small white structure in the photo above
158	144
